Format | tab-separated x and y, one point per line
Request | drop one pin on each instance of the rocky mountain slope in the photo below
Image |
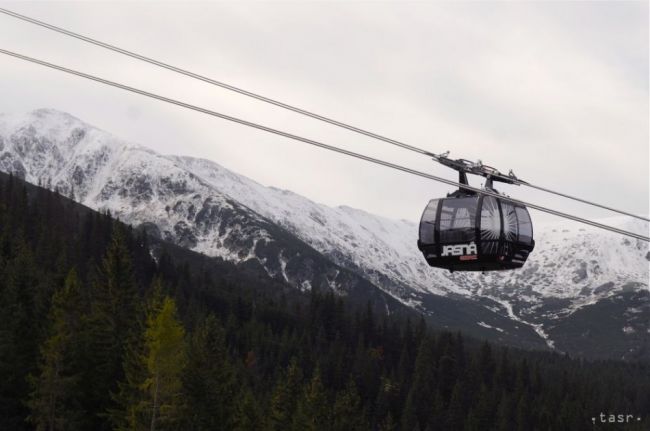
575	273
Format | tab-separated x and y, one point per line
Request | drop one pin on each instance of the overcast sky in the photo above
556	91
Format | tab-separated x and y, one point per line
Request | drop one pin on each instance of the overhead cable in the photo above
322	145
212	81
281	104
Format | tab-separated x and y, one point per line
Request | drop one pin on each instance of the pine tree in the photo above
127	398
113	321
209	381
18	328
387	399
481	416
522	383
486	365
165	360
150	398
418	402
313	413
447	375
504	414
523	413
456	410
437	418
285	397
247	412
54	402
409	414
503	376
348	410
120	284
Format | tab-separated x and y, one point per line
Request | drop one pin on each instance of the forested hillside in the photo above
102	329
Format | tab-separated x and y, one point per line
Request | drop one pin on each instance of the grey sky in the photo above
557	91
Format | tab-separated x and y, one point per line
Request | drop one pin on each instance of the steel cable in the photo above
281	104
322	145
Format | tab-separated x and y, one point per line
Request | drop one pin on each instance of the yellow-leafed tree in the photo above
163	362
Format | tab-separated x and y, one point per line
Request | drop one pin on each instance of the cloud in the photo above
558	91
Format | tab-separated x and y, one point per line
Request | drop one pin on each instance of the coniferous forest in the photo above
102	328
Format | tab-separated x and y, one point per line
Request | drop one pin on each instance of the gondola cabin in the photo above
469	231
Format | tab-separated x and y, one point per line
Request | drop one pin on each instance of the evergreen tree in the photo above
247	412
481	415
455	417
285	397
387	400
418	403
209	381
486	365
54	402
504	414
114	322
348	410
523	413
151	396
18	327
409	414
313	413
128	397
503	376
522	383
447	375
165	360
437	417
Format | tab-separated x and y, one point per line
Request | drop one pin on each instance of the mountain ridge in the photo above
199	204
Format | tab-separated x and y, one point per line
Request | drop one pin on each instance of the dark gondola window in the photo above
457	220
510	222
525	226
490	225
428	223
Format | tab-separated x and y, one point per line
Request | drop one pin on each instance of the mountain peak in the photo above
51	112
52	119
205	207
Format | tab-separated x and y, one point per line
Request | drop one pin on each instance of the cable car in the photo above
469	231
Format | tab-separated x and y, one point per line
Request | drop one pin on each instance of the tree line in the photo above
99	333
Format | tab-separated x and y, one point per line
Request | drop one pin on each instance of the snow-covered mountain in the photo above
200	205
